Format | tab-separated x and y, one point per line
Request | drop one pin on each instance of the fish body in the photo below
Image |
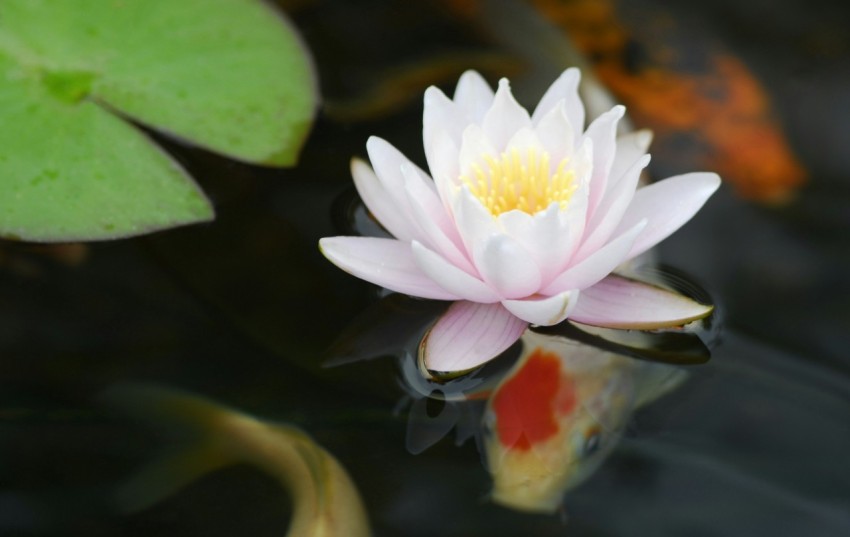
558	414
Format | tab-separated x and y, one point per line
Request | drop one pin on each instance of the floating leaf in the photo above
228	75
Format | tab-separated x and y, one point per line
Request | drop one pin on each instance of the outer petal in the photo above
379	202
603	132
610	211
630	147
507	267
439	121
597	265
505	117
468	335
618	302
667	205
454	280
473	96
566	88
385	262
387	162
435	225
542	310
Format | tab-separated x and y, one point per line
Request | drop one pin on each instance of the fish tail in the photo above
197	421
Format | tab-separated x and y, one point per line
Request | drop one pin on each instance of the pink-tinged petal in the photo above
451	278
597	265
468	335
618	302
630	148
435	225
603	132
546	236
667	205
564	88
473	221
543	310
505	117
379	202
385	262
473	96
507	267
610	211
556	133
387	162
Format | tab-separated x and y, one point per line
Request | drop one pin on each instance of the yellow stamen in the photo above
520	181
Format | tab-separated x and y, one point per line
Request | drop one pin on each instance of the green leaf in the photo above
78	172
228	75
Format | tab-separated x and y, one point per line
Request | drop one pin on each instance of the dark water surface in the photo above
243	311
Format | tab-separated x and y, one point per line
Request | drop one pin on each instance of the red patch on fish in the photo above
527	406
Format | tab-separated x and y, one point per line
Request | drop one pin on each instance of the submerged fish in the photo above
326	502
558	414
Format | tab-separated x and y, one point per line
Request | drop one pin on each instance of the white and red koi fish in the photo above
557	415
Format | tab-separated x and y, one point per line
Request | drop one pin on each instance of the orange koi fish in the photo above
713	101
558	414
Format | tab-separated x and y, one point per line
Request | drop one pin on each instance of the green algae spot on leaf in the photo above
228	75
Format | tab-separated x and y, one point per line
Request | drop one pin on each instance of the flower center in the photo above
520	181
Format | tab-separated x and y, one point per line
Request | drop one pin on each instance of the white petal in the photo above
444	166
451	278
618	302
557	135
505	117
630	147
603	132
545	235
435	225
667	205
544	311
610	211
379	202
524	138
468	335
473	96
439	120
506	267
598	265
473	221
564	88
474	146
385	262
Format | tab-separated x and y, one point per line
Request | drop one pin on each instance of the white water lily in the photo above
523	223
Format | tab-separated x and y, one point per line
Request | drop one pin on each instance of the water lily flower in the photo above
524	221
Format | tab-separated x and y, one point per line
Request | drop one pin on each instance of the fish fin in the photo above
659	380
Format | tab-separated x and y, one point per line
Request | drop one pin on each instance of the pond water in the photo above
245	311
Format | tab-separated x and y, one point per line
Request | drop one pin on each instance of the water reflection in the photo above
545	414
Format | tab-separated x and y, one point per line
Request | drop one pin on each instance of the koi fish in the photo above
326	502
558	414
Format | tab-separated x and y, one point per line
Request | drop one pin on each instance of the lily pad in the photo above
228	75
